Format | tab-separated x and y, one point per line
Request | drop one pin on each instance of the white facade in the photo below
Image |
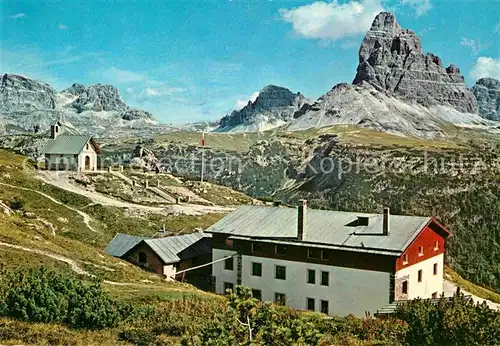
87	159
431	283
349	290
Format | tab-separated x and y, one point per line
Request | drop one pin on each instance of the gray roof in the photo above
122	243
334	228
168	248
66	144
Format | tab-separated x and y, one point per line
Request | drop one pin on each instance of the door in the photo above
87	163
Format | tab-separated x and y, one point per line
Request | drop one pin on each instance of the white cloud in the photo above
419	6
18	15
152	92
331	20
242	103
62	27
116	75
474	45
486	67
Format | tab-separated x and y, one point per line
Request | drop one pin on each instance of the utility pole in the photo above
202	154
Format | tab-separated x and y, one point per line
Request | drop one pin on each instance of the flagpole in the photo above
202	154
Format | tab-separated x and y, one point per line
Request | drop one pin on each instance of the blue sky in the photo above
187	60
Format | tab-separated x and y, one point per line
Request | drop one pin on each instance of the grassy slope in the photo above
73	239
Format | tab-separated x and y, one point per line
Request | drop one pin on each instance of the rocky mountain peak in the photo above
391	59
75	89
98	97
18	92
274	106
487	93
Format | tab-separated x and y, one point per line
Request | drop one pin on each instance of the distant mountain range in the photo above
30	105
397	89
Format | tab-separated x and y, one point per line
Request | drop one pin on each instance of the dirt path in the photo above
61	180
86	217
72	263
450	288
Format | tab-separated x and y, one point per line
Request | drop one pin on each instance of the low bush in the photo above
16	203
457	321
40	295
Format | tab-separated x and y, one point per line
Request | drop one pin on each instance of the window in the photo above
257	294
87	146
256	247
325	276
420	250
142	257
280	249
280	298
436	245
435	269
325	255
228	286
420	275
57	129
256	269
311	276
280	272
405	258
310	304
229	264
313	253
404	287
324	306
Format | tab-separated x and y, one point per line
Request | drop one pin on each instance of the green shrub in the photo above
39	295
457	321
16	203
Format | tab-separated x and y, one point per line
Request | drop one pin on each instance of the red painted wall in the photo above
426	238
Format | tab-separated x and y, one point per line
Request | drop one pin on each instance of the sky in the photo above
188	60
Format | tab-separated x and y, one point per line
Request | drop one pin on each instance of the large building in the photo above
334	262
69	150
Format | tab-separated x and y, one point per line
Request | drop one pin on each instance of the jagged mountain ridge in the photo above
391	59
487	93
397	89
27	103
275	106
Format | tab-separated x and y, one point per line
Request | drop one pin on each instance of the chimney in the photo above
385	226
277	203
302	219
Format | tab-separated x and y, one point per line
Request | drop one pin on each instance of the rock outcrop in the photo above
99	98
273	107
391	59
135	114
20	93
487	93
